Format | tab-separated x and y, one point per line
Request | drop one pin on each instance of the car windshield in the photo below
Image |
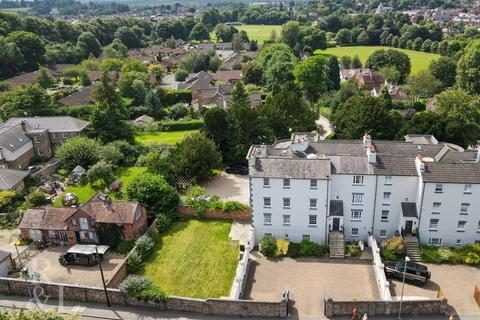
399	266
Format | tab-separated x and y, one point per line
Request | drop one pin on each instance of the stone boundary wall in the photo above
381	308
120	271
49	168
188	211
378	269
244	308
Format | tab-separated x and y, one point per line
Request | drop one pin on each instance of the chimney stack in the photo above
371	154
420	164
367	140
107	202
24	125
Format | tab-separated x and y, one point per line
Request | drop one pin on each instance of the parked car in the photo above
34	168
415	272
81	254
238	169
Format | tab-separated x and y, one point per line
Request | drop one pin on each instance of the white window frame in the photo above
286	219
435	242
74	222
313	203
54	135
383	216
467	189
286	183
388	180
267	219
461	225
83	223
306	237
267	202
383	234
39	152
433	224
36	139
266	182
435	208
287	203
312	220
358	180
357	198
464	208
313	184
439	188
387	197
356	215
355	234
458	242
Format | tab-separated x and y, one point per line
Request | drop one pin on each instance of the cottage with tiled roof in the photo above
79	224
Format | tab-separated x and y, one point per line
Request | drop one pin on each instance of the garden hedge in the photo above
181	125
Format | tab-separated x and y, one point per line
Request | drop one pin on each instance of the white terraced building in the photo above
304	188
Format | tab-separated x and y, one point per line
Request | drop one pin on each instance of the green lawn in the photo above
260	33
85	192
420	60
171	137
194	259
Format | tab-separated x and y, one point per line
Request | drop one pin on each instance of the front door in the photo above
336	224
408	227
77	236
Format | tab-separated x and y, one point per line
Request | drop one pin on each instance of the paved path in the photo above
327	128
229	187
241	231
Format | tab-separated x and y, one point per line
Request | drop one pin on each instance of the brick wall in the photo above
187	211
380	308
119	274
243	308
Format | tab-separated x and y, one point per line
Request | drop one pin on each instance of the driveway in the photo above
229	187
457	282
169	81
327	128
50	270
309	280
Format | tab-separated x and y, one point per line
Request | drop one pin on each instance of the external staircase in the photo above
337	245
412	248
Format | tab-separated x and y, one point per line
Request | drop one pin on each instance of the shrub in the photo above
282	247
269	246
153	294
181	75
447	256
36	198
145	245
125	246
472	258
353	250
228	206
323	250
430	254
309	248
134	262
8	199
101	171
293	250
176	96
134	284
387	255
395	245
163	222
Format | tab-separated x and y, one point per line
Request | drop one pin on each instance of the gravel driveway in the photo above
229	187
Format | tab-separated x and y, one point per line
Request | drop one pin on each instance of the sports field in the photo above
420	60
260	33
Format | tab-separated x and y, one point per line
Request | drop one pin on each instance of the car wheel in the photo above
388	275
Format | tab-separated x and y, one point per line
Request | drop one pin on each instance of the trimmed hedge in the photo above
176	96
181	125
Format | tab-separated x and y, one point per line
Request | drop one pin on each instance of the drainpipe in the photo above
420	215
374	204
327	206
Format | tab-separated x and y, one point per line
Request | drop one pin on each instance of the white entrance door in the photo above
36	235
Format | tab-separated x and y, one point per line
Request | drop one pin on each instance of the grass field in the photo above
420	60
260	33
171	137
194	259
85	192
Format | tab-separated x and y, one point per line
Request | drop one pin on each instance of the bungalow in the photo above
81	224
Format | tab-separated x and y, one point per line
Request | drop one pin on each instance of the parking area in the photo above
309	280
229	187
456	281
46	264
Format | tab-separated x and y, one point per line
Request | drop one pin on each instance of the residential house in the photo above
31	77
23	138
143	120
80	224
82	97
12	179
228	76
304	188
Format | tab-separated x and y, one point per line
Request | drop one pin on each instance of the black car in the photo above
415	272
238	169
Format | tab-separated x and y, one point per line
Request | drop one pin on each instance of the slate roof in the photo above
292	168
81	97
13	137
336	208
409	209
53	124
48	218
10	178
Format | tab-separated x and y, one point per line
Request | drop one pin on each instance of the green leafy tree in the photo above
108	118
154	105
181	75
286	112
25	101
196	156
214	63
101	174
224	33
468	68
199	32
88	44
364	113
10	59
237	42
423	84
291	33
79	151
134	66
128	37
44	79
363	38
116	50
155	193
390	58
31	47
424	123
216	127
312	76
126	84
334	73
445	70
252	72
346	61
343	36
356	62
